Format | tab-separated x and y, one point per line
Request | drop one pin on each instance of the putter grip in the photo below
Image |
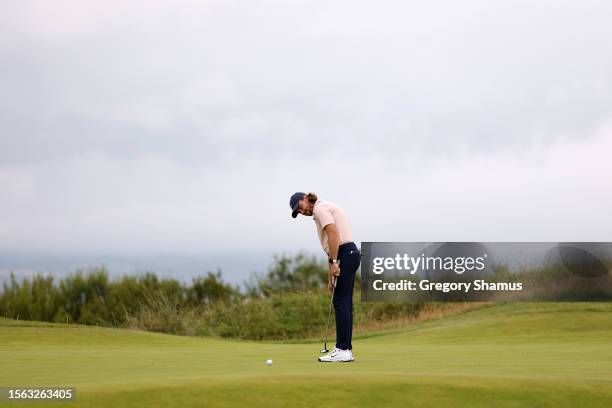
335	277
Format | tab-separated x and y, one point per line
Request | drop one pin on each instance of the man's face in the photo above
305	208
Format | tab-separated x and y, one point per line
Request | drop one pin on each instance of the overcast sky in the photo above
184	127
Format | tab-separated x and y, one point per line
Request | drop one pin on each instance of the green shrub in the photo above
289	302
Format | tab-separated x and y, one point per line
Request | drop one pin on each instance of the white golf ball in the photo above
269	362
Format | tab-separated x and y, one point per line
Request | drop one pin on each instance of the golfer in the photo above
343	257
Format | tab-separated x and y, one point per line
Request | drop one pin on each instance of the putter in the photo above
325	350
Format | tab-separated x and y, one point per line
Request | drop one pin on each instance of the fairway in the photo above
522	354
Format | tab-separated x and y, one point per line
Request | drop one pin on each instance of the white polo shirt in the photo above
326	212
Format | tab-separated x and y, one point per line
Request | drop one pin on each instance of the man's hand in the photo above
334	270
331	283
332	275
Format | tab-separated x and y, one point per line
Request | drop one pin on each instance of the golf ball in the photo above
269	362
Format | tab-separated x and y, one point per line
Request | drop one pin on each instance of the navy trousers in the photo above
349	258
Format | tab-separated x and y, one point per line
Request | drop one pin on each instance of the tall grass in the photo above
92	298
290	301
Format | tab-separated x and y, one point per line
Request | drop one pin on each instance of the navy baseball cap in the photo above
294	203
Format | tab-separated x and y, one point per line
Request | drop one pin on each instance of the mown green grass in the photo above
522	354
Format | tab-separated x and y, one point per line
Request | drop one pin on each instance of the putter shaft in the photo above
325	350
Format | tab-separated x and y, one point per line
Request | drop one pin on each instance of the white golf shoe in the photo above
336	356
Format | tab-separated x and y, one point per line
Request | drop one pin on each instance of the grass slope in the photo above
521	354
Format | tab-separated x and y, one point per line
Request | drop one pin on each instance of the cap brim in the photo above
294	213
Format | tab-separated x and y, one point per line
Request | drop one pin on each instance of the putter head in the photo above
324	350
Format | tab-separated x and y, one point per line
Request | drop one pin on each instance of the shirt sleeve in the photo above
324	216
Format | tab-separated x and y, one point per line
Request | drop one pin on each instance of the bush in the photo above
91	298
279	316
289	302
301	273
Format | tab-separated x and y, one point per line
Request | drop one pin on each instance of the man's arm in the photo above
333	239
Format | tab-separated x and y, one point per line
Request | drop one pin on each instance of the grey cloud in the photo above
204	83
143	126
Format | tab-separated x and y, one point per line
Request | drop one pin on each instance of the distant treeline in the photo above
289	301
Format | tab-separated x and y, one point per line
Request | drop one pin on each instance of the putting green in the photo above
522	354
